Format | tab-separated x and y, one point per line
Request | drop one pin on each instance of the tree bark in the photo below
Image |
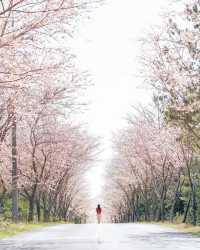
194	209
46	215
31	209
38	208
186	210
176	196
193	199
14	172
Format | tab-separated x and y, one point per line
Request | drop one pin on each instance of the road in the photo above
102	237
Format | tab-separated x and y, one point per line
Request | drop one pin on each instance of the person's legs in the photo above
99	218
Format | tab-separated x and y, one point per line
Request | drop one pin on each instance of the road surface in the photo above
102	237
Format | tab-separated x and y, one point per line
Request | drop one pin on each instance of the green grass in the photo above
186	228
8	229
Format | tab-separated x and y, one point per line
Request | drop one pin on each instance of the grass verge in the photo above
8	229
186	228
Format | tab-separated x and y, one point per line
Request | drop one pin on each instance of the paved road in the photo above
102	237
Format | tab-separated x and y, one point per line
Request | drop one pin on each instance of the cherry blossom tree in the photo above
39	84
146	171
171	65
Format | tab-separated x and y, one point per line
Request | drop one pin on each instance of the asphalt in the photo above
102	237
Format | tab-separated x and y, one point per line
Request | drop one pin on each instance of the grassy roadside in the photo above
9	229
185	228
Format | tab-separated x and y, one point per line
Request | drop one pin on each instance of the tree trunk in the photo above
133	216
194	209
136	208
193	199
38	210
31	209
46	215
146	204
176	196
186	211
14	172
146	210
161	214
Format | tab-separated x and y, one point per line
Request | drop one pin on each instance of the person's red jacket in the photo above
98	210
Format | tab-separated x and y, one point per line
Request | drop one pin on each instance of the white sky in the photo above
107	46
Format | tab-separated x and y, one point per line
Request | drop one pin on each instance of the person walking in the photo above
98	211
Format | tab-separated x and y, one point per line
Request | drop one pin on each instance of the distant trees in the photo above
155	169
149	172
39	86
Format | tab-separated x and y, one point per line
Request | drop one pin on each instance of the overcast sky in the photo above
107	47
